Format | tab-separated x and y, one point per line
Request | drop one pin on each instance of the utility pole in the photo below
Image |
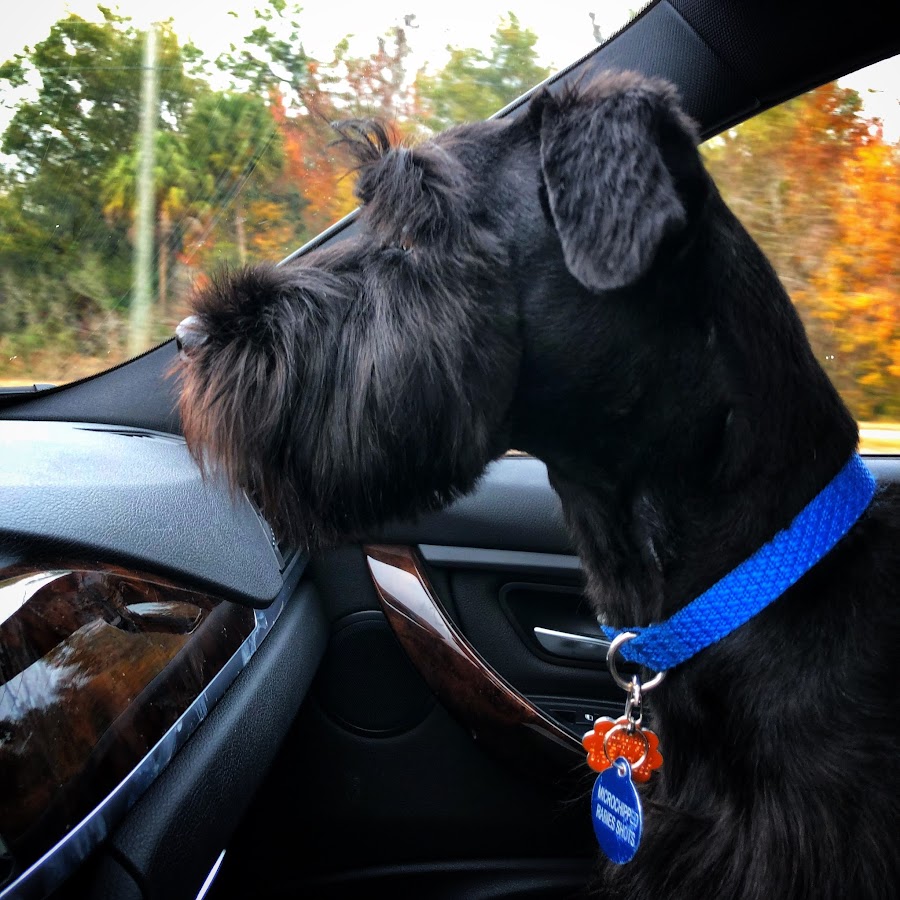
139	323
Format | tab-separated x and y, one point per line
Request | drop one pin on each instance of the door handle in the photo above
572	646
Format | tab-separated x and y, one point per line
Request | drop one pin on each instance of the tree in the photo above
474	85
61	145
781	173
89	75
233	139
854	293
177	193
305	96
816	185
272	58
314	168
377	85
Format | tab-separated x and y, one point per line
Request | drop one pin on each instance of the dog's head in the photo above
493	292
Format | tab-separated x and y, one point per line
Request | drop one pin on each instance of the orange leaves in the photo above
315	169
819	188
271	233
868	215
826	127
856	289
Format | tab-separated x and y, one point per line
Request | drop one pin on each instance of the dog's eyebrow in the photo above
367	140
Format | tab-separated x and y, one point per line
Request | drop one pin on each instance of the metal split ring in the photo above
620	727
614	646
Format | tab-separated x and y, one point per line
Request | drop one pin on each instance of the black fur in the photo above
571	284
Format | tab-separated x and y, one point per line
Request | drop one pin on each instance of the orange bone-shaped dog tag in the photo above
621	743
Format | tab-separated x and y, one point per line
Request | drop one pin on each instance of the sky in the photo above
879	89
564	29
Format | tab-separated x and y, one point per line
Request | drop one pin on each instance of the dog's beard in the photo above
340	400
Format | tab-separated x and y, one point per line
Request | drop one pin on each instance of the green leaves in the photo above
13	72
474	85
244	164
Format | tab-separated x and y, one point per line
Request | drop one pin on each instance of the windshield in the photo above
138	156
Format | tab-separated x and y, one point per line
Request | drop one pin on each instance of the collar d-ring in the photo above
614	646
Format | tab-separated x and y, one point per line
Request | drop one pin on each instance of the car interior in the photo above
189	707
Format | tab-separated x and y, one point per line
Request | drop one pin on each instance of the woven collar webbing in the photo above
760	579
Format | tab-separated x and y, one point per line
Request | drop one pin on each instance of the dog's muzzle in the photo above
189	335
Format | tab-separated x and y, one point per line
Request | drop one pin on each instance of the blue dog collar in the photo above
760	579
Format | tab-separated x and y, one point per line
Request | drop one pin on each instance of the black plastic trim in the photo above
62	860
133	496
174	835
515	509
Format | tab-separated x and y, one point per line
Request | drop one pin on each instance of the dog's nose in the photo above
189	335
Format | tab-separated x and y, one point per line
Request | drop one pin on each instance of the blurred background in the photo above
137	157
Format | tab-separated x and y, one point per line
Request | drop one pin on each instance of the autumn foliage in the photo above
250	171
246	165
818	186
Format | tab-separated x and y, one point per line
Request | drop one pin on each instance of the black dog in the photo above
571	284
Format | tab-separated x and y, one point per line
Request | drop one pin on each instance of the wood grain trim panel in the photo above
498	716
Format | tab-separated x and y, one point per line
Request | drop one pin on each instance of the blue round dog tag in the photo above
616	812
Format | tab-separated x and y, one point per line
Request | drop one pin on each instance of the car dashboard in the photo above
116	643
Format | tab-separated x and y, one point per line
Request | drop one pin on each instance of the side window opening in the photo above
816	181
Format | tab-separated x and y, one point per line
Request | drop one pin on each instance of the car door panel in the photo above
497	613
396	805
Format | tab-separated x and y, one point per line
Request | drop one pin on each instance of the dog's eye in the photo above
398	248
405	242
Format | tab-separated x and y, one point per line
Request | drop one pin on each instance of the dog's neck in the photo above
721	452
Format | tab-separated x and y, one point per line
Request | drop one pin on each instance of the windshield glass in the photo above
137	156
144	147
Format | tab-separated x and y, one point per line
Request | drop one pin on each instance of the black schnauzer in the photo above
570	283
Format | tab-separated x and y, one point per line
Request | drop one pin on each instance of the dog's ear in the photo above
615	158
